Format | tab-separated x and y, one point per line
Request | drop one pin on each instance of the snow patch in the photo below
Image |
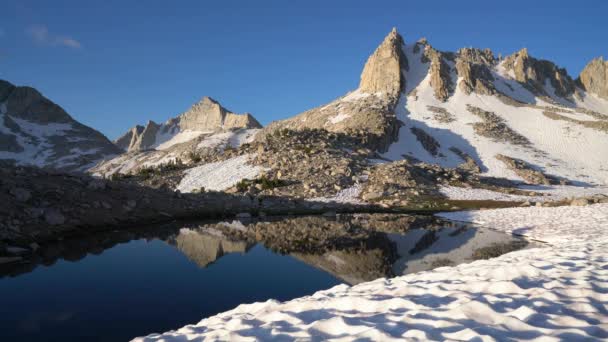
592	102
355	96
550	193
339	118
458	193
178	138
219	176
550	90
233	138
348	195
556	225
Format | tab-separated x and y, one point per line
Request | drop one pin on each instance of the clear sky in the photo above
113	64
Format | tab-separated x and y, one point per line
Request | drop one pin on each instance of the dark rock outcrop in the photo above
39	132
494	127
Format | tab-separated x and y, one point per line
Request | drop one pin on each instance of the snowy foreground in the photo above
559	292
548	193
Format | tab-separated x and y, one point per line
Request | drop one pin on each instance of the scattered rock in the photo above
525	171
441	114
21	194
97	184
494	127
8	260
14	250
469	163
580	202
53	217
427	141
528	173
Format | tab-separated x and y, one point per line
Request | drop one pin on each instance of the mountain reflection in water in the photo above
353	248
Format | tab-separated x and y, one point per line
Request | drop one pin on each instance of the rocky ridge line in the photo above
207	115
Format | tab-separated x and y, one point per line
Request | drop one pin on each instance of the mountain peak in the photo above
533	73
594	77
523	53
208	100
36	131
382	72
204	116
394	33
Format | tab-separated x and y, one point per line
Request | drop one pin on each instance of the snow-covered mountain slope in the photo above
469	106
174	149
206	128
565	137
36	131
204	117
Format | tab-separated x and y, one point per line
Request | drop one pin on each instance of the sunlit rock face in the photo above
536	73
594	78
205	116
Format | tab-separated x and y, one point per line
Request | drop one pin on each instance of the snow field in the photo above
220	175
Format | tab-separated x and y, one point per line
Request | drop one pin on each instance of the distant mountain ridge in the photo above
205	116
206	125
36	131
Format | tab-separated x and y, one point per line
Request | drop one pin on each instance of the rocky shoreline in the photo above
44	205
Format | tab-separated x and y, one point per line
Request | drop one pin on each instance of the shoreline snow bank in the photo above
554	225
551	193
558	292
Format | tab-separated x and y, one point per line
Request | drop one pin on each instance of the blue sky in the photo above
113	64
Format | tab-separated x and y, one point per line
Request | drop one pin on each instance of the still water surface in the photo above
118	285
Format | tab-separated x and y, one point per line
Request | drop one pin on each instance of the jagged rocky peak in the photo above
594	78
535	73
205	116
208	114
370	109
441	81
474	68
420	44
439	68
36	131
125	141
478	56
383	70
